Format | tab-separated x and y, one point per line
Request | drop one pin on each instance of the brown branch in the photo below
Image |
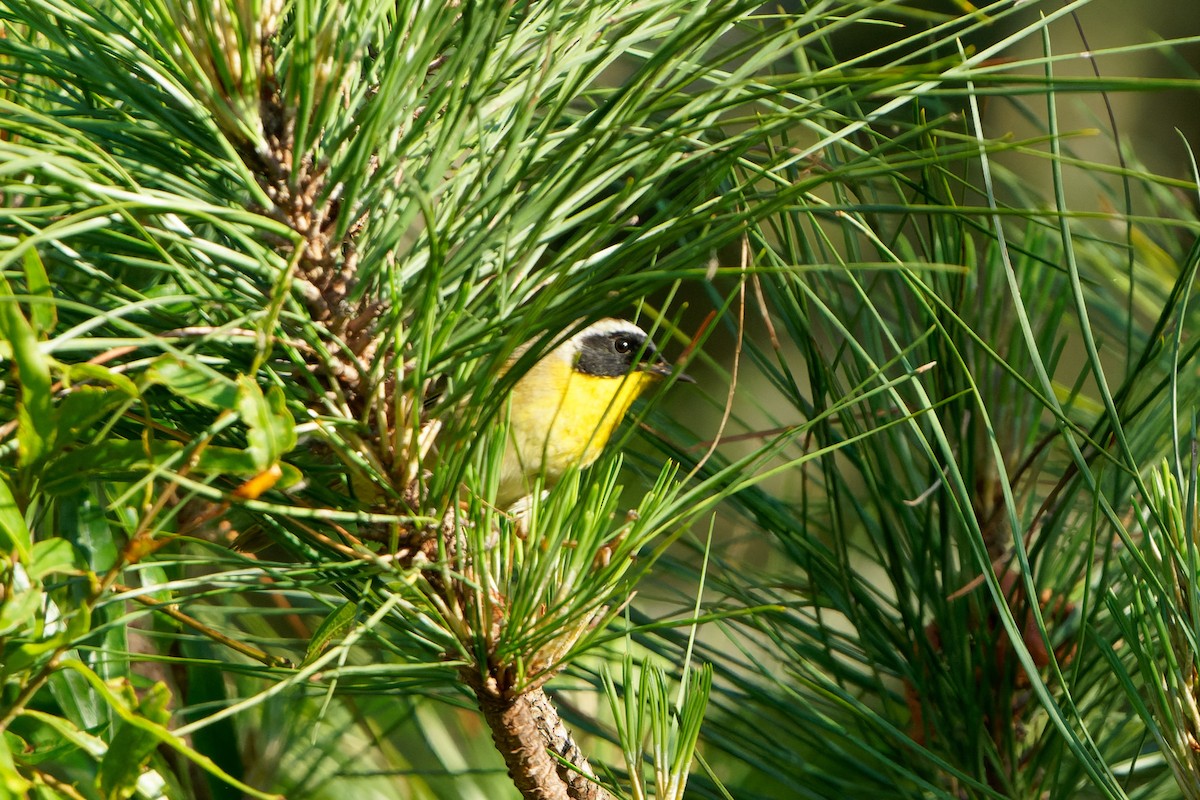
529	734
518	737
541	755
172	610
575	772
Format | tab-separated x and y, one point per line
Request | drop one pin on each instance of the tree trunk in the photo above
527	731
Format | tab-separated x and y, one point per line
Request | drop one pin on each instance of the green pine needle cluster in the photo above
926	528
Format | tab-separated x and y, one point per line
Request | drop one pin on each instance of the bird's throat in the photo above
549	437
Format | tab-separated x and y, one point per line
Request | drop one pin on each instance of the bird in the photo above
563	411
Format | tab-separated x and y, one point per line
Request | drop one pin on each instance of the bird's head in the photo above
615	348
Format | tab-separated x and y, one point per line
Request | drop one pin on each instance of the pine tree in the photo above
926	528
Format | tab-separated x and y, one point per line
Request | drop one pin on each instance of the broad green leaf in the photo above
124	459
50	556
81	518
133	745
271	431
220	740
69	735
14	533
43	315
11	781
238	463
333	628
112	459
24	656
152	574
79	622
81	409
35	412
77	702
98	373
18	614
195	381
157	730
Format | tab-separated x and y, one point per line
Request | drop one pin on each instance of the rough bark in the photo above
527	731
581	781
525	727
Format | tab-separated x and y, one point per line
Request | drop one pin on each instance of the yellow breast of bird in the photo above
559	418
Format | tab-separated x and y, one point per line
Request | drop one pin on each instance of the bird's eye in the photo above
623	345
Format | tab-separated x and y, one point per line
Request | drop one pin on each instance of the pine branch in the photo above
529	734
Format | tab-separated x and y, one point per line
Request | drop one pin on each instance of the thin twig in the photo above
737	360
172	611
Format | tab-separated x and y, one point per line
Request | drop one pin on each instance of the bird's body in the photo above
565	408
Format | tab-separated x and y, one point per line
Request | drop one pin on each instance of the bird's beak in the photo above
664	369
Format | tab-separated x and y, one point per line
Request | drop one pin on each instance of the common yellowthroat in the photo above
564	409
